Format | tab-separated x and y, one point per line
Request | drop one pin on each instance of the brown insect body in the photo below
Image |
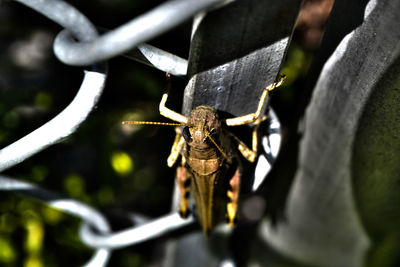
209	158
207	167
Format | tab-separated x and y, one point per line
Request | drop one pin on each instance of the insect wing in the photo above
209	195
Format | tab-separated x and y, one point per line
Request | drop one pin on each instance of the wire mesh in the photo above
79	44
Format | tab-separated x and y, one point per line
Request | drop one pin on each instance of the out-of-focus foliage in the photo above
31	234
114	168
118	169
121	163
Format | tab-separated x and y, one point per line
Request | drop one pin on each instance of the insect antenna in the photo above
217	146
154	123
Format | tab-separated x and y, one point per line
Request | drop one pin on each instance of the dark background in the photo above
35	86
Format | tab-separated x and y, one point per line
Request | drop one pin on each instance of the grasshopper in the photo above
209	158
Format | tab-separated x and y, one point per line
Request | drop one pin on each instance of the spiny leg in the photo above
233	196
252	117
168	113
183	180
176	147
247	153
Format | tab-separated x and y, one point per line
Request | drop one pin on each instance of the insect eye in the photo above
186	134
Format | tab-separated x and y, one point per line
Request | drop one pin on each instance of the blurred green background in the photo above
116	169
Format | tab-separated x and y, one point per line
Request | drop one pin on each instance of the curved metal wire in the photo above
66	16
88	50
77	111
134	235
63	124
70	206
157	58
85	100
59	127
137	31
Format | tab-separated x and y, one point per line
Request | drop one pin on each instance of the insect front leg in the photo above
251	154
233	196
176	147
168	113
182	175
252	117
183	180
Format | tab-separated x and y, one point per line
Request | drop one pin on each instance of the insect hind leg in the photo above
183	180
233	196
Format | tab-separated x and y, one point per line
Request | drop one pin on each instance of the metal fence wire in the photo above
79	44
